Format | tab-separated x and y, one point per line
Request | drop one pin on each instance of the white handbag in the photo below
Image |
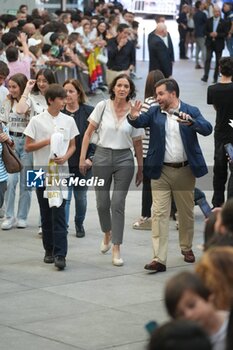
102	58
95	136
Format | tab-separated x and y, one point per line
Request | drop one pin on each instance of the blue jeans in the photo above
80	197
24	192
53	222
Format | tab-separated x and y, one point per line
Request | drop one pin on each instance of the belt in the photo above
16	134
177	165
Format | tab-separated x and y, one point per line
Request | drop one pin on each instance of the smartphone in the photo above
229	150
204	206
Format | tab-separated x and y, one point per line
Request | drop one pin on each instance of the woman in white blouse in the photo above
113	160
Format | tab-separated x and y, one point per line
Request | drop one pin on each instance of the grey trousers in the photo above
200	47
115	167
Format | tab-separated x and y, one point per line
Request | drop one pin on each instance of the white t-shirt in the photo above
42	126
37	104
16	122
218	340
113	133
3	94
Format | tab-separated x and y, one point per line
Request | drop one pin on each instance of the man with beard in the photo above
173	162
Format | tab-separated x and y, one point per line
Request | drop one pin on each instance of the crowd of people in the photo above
200	303
49	63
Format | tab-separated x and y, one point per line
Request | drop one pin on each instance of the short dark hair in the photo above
4	70
54	91
54	37
9	38
132	92
121	27
220	240
197	4
37	22
227	3
46	48
22	6
181	335
9	18
75	17
49	76
226	215
12	54
226	66
180	283
171	85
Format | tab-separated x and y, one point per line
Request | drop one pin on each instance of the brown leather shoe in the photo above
189	257
155	266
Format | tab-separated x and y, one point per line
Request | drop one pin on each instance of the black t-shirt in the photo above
221	96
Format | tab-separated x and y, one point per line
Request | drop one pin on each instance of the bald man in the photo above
161	53
216	32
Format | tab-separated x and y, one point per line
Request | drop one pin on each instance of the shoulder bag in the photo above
9	157
95	136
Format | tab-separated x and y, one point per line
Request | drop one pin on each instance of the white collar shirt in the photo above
174	148
215	23
164	38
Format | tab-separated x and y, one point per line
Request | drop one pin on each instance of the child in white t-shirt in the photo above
38	140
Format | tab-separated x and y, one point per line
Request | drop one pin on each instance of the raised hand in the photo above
135	109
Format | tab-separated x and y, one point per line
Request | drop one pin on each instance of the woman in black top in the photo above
76	107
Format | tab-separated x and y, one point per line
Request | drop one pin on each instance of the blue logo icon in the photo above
35	178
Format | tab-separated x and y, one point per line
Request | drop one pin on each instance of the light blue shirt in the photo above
215	23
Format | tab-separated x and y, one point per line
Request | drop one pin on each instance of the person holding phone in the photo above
174	160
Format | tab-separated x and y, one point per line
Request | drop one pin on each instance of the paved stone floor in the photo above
93	305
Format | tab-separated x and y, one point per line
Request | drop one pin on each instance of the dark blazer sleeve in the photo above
201	125
171	48
143	121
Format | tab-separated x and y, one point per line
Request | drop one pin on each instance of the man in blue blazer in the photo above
173	162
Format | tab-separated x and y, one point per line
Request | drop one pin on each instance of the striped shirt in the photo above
149	102
3	172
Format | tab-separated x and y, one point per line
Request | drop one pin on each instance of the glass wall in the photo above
53	5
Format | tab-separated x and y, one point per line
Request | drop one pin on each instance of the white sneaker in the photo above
8	223
40	231
21	223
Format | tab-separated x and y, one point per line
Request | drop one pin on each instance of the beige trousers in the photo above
179	182
111	74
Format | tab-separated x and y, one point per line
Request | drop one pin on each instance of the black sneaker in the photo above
80	232
60	262
204	79
48	258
